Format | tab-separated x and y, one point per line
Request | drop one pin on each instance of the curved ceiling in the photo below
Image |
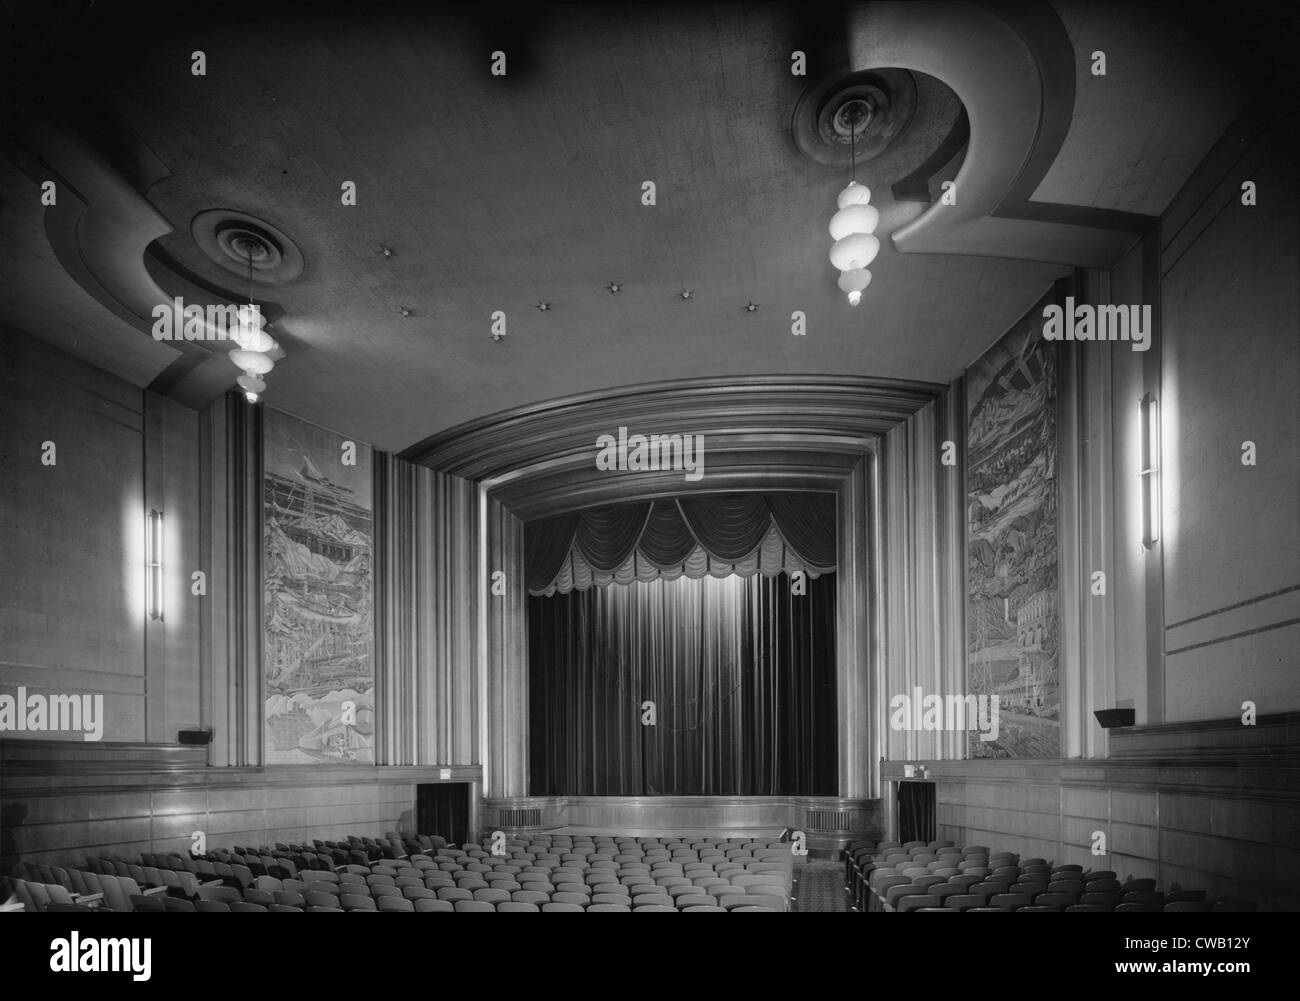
495	193
755	433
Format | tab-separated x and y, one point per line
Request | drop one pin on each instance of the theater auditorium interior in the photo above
659	457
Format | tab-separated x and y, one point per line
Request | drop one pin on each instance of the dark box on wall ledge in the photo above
1111	718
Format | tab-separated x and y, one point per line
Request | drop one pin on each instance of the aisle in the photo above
819	886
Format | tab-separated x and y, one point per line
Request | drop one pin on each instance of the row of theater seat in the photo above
531	874
287	860
938	876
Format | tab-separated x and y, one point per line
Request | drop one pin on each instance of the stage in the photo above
828	822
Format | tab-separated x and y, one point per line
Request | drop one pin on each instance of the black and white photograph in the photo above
687	457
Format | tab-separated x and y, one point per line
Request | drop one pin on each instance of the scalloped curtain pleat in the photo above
706	536
808	523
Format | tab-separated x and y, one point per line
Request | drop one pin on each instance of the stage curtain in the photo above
712	534
607	534
808	523
740	671
728	526
665	543
546	547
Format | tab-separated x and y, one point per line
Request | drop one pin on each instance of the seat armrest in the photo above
153	891
212	882
87	898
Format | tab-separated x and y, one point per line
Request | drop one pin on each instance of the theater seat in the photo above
224	894
517	907
212	906
771	900
474	907
1237	906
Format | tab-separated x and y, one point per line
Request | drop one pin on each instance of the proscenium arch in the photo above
762	433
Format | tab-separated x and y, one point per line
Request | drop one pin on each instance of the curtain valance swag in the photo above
695	536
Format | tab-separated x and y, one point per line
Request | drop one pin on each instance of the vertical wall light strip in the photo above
154	564
1150	473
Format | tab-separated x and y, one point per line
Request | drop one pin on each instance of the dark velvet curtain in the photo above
916	811
729	526
742	674
546	548
607	534
808	523
663	542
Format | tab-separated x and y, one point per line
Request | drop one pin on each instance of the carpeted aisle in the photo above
819	886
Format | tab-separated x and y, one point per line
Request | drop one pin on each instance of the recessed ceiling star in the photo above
543	306
751	307
615	287
687	293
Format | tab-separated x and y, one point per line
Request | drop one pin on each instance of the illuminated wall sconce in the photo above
1150	473
154	565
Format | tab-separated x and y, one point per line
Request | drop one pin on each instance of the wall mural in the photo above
317	595
1013	622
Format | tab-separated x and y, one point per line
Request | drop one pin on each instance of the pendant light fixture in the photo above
854	225
252	356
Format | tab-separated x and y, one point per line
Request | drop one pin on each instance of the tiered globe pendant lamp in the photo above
853	229
252	356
